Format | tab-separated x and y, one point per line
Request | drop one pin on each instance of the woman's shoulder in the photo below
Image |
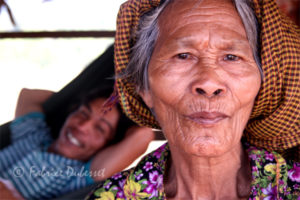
272	174
293	178
143	181
112	187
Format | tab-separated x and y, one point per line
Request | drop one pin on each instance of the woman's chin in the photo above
206	147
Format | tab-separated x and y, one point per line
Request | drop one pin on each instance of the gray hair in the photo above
147	35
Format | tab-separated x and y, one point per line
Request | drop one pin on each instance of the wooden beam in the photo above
58	34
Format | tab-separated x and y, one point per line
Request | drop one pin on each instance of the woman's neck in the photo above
193	177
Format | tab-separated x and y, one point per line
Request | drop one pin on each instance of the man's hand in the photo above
8	194
117	157
31	100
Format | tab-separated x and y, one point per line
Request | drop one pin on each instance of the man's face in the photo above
202	75
86	131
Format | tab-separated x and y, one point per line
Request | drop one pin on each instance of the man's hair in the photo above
147	35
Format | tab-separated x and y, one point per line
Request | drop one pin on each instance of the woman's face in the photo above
86	131
202	75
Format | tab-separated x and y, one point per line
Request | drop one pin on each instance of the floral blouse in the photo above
272	178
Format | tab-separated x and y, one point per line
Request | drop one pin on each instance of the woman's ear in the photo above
147	97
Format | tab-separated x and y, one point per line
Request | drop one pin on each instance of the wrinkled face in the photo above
203	79
86	131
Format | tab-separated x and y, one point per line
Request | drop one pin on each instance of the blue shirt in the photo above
36	173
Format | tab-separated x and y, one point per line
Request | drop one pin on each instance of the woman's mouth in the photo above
207	118
73	140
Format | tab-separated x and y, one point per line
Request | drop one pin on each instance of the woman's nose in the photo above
208	84
85	126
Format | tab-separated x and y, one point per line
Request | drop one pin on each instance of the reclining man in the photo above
86	151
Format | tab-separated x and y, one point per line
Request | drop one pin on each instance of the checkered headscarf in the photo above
274	122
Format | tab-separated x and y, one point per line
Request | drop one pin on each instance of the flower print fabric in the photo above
294	173
272	178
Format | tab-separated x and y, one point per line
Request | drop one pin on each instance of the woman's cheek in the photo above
166	116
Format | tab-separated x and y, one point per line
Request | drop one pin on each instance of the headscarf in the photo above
274	122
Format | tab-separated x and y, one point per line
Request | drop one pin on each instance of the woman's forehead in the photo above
96	104
173	4
189	11
191	19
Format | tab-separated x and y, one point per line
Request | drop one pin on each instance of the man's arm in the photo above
30	100
8	192
117	157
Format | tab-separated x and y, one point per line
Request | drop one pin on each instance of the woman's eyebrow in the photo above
224	44
234	45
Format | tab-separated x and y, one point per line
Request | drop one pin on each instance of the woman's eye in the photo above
100	129
231	57
183	56
84	114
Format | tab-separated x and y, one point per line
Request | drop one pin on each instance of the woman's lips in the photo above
207	118
72	139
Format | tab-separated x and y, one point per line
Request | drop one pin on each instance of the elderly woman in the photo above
195	64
